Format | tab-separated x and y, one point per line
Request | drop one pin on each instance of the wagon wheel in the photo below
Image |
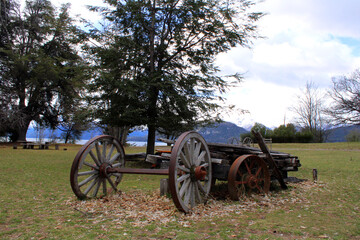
189	171
248	173
88	176
247	141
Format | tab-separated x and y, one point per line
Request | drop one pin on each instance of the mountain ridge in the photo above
218	133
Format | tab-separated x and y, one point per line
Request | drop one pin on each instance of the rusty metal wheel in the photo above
248	173
88	176
189	171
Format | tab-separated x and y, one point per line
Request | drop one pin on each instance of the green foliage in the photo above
74	123
282	134
258	127
353	136
155	61
289	134
41	70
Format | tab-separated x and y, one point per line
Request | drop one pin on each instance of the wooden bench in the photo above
31	145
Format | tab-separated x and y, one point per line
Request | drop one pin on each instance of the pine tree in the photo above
41	70
155	60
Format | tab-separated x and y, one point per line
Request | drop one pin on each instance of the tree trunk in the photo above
22	130
150	149
119	133
124	134
154	92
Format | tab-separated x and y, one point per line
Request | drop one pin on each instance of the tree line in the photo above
314	118
148	63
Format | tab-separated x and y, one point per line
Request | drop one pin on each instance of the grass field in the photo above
36	202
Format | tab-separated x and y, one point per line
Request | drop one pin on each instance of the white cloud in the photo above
304	41
267	103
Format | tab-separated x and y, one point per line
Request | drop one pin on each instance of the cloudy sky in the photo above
304	40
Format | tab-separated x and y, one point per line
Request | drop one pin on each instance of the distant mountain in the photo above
32	133
339	134
222	132
219	133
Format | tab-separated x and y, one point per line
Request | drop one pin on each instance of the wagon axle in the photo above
100	164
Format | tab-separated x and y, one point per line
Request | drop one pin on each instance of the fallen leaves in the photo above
140	209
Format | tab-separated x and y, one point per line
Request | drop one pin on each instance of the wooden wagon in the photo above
192	166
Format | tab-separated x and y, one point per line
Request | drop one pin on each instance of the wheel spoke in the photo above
192	194
114	158
201	187
104	186
204	165
184	187
197	194
258	172
90	186
94	158
103	156
200	158
240	173
188	154
240	182
187	195
117	165
247	167
192	148
84	177
91	165
183	178
87	180
248	173
98	153
112	183
259	188
184	159
184	169
87	173
110	153
252	164
96	190
190	151
197	151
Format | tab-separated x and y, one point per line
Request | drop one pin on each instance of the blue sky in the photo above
304	40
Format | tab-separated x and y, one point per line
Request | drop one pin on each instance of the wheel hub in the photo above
252	181
198	173
103	169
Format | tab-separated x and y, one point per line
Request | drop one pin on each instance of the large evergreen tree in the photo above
41	70
155	59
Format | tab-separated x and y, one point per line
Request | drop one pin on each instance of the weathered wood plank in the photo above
269	158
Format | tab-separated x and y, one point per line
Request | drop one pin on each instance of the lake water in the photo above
83	141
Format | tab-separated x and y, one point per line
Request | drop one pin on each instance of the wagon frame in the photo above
192	166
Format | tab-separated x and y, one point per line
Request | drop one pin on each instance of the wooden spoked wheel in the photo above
248	174
88	176
189	171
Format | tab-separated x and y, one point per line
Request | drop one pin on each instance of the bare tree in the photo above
346	96
310	111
